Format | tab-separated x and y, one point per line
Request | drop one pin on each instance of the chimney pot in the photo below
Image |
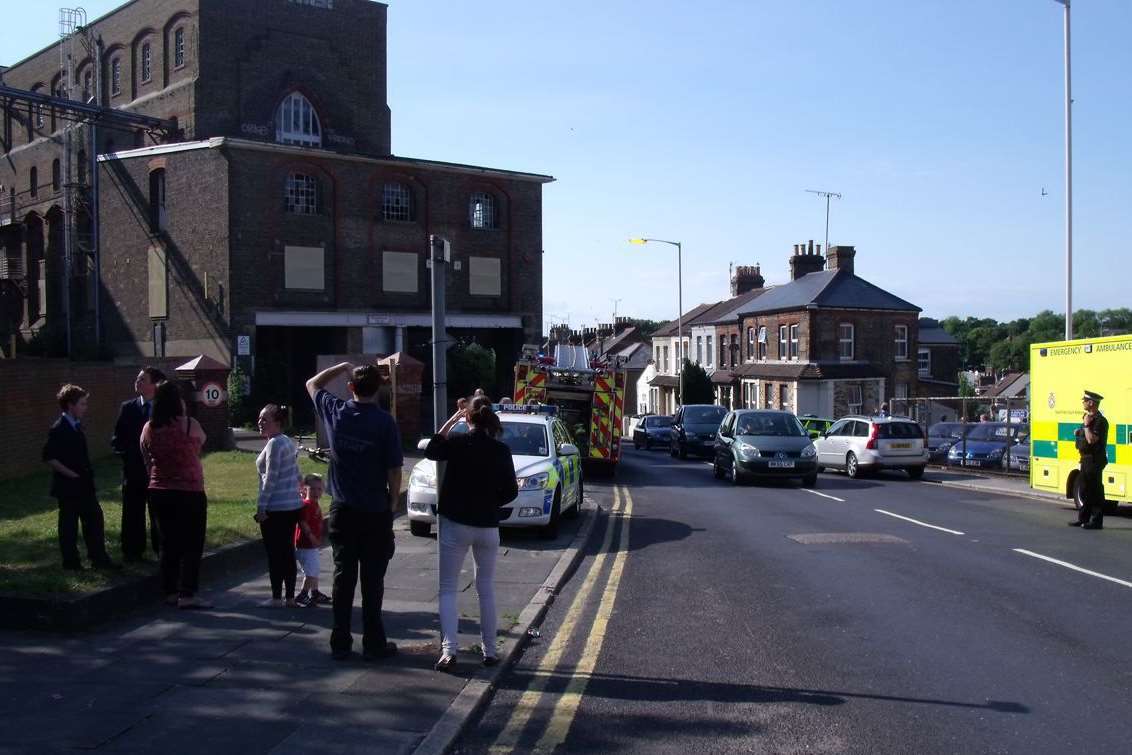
811	247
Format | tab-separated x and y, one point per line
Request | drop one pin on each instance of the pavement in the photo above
1002	484
247	679
880	615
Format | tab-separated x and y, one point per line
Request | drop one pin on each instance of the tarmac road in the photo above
865	616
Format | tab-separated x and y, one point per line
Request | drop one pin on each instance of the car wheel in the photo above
716	472
672	451
852	468
915	472
550	529
810	481
683	453
576	508
734	475
420	529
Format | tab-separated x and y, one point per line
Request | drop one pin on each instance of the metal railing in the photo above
969	412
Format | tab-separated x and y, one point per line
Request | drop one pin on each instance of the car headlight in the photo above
746	450
534	482
809	452
422	479
954	452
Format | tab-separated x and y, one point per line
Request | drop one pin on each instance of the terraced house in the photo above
268	220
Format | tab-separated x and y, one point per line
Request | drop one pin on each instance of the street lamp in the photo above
1068	184
679	307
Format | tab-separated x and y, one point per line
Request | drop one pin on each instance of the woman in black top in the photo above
478	480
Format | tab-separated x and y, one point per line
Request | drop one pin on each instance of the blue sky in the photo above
939	121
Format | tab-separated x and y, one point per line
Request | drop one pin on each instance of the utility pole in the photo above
1068	184
440	254
828	196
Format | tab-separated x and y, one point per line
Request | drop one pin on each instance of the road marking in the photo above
567	707
917	521
508	738
1074	567
823	495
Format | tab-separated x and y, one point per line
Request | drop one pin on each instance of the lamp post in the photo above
1068	184
679	308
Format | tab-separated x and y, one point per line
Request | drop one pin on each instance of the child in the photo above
308	537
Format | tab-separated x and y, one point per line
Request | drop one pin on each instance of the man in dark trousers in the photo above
132	417
72	483
365	486
1092	443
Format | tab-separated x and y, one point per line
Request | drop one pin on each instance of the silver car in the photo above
862	444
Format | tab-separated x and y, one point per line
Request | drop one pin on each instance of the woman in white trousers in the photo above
478	480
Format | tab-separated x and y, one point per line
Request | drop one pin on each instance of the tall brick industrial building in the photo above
274	216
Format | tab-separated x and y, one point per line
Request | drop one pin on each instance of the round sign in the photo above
211	394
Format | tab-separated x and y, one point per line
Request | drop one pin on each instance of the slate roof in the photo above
665	381
712	315
670	328
832	289
936	337
638	355
808	370
620	341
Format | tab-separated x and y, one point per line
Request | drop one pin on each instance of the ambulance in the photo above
587	392
1059	373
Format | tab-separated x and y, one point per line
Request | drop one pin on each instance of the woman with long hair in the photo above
279	504
171	443
479	479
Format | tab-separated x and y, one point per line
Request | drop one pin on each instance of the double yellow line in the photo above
566	707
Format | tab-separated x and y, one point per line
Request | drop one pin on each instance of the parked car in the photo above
652	430
815	426
548	469
862	444
942	436
694	429
1019	458
764	443
986	444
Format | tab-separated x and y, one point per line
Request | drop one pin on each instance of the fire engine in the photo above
589	394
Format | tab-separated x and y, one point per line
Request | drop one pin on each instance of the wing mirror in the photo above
568	449
422	444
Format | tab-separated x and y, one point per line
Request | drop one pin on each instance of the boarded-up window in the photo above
399	272
484	276
304	267
158	283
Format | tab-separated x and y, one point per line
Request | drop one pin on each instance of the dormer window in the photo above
296	122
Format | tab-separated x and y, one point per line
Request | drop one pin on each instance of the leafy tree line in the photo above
985	343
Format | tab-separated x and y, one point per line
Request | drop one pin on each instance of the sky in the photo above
940	122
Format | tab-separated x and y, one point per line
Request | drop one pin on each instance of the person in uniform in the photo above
1092	443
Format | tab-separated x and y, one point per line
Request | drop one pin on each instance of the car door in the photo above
725	436
570	464
829	447
677	428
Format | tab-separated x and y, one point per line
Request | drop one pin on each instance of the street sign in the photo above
243	346
211	395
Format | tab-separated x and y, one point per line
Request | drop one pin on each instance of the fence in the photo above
967	412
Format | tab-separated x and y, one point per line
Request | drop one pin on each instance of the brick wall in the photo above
29	386
775	348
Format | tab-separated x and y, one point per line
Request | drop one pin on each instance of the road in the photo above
864	616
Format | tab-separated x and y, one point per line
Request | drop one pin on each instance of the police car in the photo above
548	468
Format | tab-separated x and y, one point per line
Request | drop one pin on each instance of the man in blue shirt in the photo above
364	483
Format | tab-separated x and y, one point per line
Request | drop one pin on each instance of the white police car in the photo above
548	468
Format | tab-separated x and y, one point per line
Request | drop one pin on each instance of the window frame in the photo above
483	211
699	349
400	204
901	343
308	133
761	345
310	191
116	76
179	48
795	343
922	352
709	350
842	340
146	62
783	343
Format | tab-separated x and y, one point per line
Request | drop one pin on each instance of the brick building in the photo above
276	224
827	343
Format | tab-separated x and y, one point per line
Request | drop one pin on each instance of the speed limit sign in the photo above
211	394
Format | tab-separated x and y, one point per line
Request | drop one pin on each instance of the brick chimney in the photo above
841	258
746	278
805	261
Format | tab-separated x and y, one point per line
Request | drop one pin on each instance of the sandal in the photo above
446	663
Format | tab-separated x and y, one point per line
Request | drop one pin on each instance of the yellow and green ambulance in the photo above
1059	373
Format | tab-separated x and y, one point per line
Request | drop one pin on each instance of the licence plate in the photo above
971	463
781	464
899	445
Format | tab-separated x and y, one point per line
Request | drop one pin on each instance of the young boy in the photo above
308	538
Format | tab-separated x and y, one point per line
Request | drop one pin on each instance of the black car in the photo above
694	428
942	436
764	443
652	430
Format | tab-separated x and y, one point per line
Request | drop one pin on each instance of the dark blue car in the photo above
655	430
986	445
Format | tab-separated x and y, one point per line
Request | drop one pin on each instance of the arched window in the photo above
296	122
302	194
115	77
481	210
56	175
157	200
146	62
33	182
396	202
179	47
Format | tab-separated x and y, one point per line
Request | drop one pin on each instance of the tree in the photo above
470	366
645	327
697	385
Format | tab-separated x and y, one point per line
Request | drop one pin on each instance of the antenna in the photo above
828	195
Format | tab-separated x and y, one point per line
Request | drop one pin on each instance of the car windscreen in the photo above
781	425
660	422
525	438
899	430
994	431
704	415
946	430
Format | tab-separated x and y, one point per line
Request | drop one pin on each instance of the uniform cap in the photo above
1090	396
